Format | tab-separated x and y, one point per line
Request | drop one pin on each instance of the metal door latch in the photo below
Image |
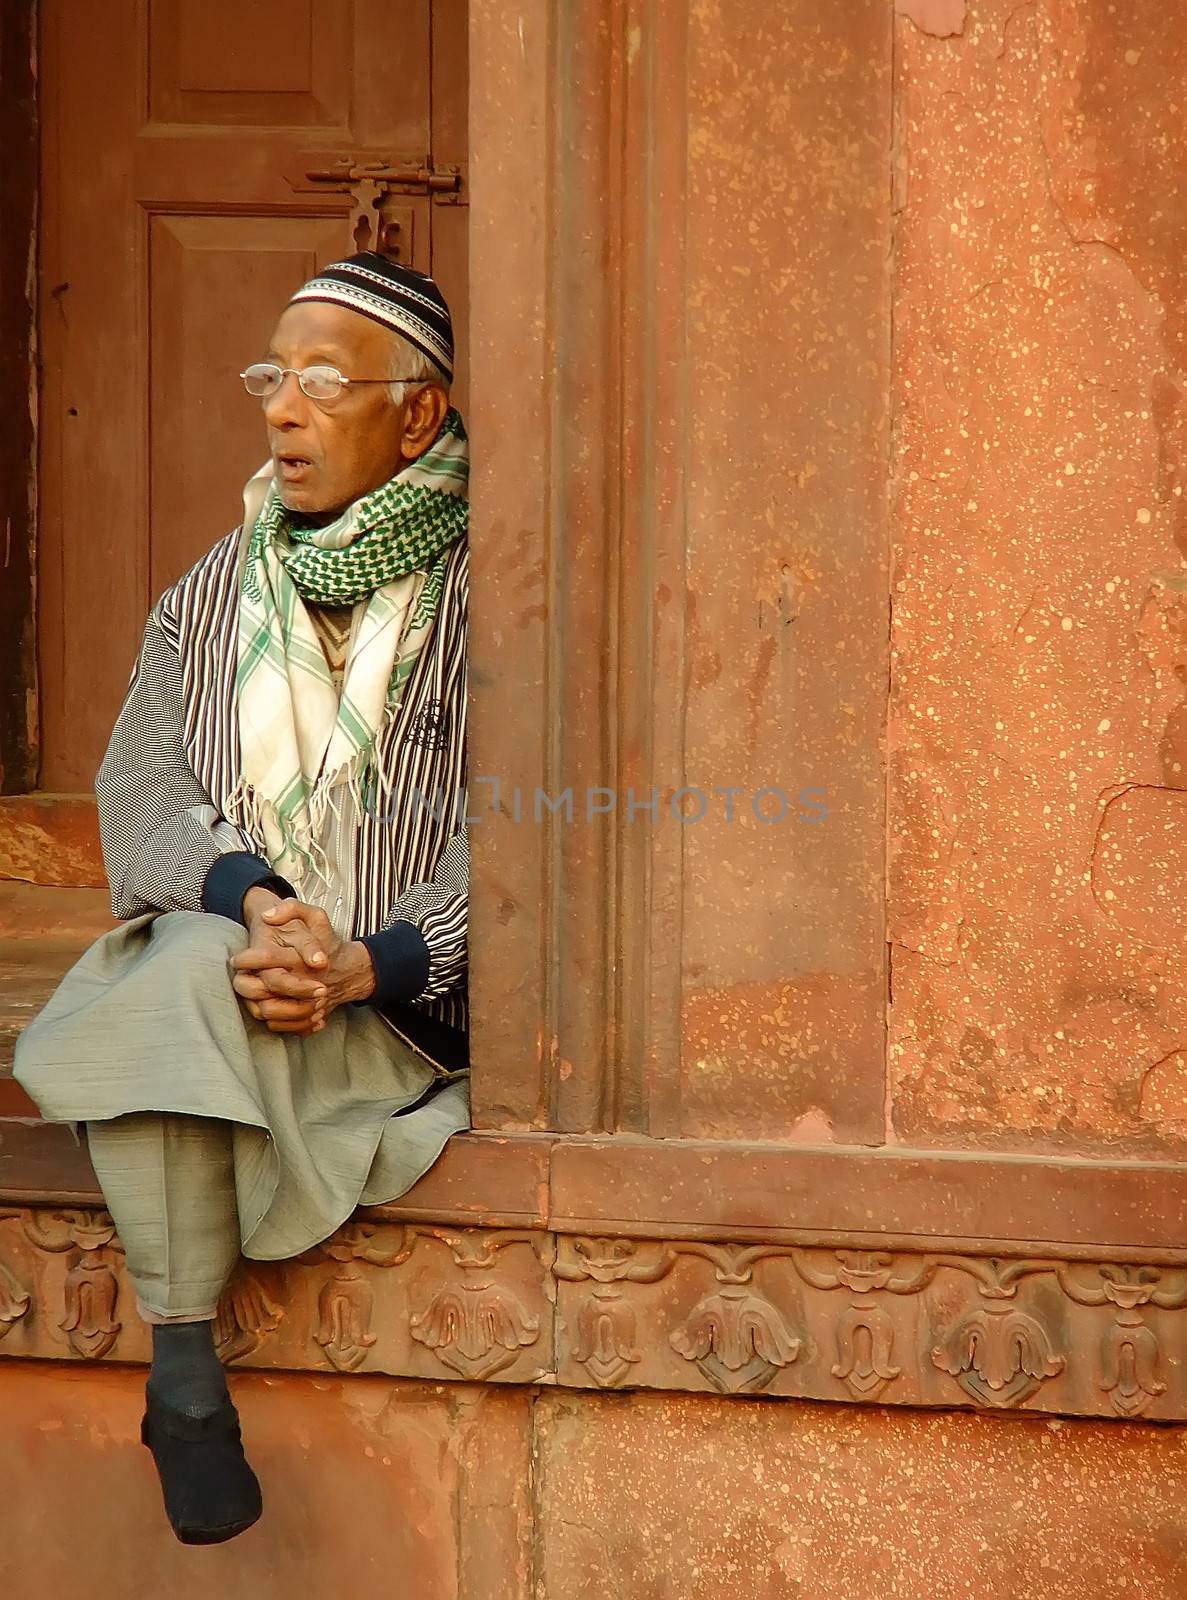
375	185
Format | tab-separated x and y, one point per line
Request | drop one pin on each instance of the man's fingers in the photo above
276	980
307	1025
294	984
306	926
277	1010
289	911
298	937
259	956
296	1027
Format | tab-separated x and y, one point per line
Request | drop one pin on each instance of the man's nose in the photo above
288	407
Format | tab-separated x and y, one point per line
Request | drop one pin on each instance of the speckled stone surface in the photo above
658	1499
692	600
375	1488
372	1490
787	341
1038	732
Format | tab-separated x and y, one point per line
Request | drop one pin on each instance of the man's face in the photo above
327	455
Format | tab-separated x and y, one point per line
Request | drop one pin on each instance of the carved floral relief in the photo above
476	1325
865	1341
1089	1338
998	1355
737	1339
605	1337
1130	1352
247	1315
14	1301
91	1287
346	1301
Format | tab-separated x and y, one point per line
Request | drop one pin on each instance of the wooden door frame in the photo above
43	840
18	393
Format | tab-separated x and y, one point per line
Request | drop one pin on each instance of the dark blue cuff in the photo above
232	875
400	957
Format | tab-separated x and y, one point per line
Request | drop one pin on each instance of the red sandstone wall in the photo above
1037	745
1038	732
381	1490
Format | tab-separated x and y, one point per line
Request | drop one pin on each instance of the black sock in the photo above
186	1372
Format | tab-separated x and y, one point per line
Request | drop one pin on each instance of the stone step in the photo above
51	839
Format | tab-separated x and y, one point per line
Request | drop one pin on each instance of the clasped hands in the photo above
296	969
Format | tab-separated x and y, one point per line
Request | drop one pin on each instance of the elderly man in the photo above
277	1031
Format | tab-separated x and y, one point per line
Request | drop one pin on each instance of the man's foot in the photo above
211	1493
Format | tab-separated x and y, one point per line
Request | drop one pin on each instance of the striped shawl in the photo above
173	764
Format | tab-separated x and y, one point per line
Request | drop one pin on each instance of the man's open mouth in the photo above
291	466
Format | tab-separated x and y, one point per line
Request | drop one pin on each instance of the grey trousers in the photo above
169	1183
212	1136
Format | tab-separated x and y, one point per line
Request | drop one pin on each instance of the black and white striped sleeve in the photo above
159	830
421	954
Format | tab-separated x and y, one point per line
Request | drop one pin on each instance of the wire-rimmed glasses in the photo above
322	383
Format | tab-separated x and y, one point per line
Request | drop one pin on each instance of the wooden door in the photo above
177	216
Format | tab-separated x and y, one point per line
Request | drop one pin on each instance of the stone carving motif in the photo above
475	1327
1089	1338
606	1321
344	1318
864	1330
865	1271
346	1301
1130	1353
246	1316
605	1342
865	1340
1129	1365
998	1355
91	1292
611	1260
91	1289
738	1340
14	1302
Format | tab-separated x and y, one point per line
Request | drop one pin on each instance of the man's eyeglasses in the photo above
264	378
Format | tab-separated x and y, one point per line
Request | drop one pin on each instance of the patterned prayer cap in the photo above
407	302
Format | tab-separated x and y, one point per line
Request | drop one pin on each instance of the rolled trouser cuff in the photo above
160	1318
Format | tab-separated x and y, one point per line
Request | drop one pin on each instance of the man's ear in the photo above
426	413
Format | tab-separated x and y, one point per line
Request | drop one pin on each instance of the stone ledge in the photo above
487	1178
529	1305
848	1196
887	1196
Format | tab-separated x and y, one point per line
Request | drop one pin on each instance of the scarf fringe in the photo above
293	847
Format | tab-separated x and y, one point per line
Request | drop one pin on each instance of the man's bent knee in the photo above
201	930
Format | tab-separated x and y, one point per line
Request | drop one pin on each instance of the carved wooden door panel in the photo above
200	159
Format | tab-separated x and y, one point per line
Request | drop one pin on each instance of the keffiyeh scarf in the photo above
303	751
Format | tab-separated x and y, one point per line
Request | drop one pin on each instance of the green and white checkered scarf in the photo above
302	750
